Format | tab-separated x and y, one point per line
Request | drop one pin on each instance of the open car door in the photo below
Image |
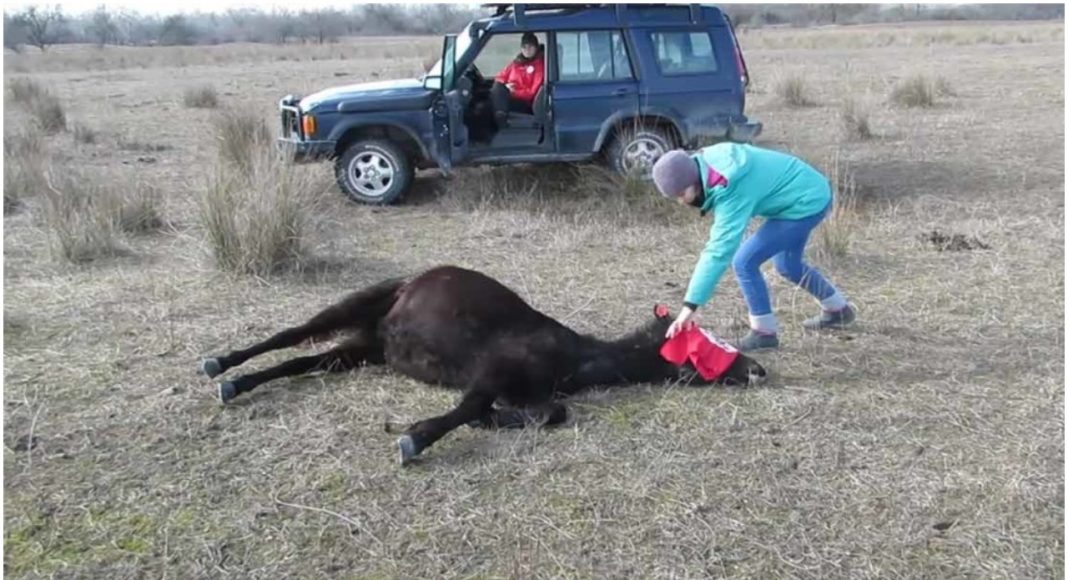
451	138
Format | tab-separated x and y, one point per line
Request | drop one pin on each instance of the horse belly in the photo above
442	357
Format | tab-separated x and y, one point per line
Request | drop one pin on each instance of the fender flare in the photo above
337	135
619	118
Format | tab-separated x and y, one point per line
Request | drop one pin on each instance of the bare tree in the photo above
322	26
102	28
14	33
176	30
284	25
41	25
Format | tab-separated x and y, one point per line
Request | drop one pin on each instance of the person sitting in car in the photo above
515	87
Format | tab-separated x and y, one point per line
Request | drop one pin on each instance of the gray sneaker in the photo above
831	319
757	341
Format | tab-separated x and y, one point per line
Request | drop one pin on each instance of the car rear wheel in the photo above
634	150
374	172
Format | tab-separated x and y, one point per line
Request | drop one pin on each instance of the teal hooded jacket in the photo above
759	183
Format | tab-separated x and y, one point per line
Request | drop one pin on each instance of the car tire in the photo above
633	150
374	172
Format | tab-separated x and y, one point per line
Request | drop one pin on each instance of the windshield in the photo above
432	79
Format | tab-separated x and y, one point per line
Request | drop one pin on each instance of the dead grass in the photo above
857	461
571	194
947	34
241	135
915	91
84	134
258	210
133	143
49	114
793	91
139	210
410	50
205	97
856	119
79	215
24	152
44	107
24	91
838	231
943	88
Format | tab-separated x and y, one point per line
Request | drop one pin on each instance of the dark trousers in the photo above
504	103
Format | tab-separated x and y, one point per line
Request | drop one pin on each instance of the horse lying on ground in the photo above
461	328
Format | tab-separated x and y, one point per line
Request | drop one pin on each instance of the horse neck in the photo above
628	360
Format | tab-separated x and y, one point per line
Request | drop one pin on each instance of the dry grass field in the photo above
927	442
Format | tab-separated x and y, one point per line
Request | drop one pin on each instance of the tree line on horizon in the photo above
43	26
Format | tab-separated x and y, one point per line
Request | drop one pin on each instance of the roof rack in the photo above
520	11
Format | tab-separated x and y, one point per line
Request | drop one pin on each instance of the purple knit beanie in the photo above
674	172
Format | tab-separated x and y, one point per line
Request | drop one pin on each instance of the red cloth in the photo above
709	355
526	78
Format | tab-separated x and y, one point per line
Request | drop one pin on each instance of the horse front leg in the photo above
422	434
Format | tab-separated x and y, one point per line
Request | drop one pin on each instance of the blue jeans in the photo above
783	240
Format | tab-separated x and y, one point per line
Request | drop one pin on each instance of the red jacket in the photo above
526	78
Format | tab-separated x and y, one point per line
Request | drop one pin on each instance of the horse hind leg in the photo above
346	356
360	311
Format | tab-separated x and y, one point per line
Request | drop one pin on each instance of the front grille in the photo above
291	122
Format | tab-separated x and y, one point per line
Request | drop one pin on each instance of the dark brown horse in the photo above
459	328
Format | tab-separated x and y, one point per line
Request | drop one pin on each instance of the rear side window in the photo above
592	56
684	53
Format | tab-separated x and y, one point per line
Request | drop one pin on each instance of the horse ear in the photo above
661	311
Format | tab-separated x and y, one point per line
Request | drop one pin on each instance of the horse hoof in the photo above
227	391
406	449
210	367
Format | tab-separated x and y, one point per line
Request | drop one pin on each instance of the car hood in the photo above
377	96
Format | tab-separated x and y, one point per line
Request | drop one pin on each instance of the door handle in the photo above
620	92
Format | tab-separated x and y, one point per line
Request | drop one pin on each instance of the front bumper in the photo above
299	150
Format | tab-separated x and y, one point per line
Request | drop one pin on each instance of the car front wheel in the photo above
374	172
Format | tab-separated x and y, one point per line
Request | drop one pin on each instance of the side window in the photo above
684	53
500	50
592	56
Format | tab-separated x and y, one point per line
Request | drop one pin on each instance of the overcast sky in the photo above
188	6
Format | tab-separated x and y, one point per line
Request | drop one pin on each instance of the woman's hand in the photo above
684	320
